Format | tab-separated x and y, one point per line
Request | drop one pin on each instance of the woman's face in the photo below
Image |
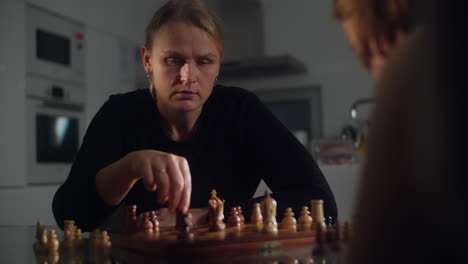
184	62
375	61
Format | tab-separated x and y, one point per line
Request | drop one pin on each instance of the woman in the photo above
185	136
408	186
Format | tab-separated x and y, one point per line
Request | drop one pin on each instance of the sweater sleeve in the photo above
77	198
277	157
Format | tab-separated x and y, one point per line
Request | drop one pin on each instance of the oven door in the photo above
55	131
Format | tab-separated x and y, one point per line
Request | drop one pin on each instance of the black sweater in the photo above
238	142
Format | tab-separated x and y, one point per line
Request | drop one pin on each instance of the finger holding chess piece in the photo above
215	213
288	223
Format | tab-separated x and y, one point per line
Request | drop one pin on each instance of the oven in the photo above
55	125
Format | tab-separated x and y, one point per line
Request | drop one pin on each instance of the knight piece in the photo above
268	208
215	213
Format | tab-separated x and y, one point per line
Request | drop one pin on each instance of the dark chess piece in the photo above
320	249
130	223
241	216
234	220
337	243
346	232
184	225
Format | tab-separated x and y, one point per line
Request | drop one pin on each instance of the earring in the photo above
150	82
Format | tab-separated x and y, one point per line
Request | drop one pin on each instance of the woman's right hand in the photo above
168	173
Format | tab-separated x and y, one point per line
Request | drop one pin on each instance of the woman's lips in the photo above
185	94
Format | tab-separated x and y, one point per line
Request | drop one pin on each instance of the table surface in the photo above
16	247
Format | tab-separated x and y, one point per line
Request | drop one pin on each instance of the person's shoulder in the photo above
132	97
231	93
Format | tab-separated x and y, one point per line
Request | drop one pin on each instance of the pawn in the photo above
68	240
289	222
105	240
130	225
95	239
147	224
305	220
78	238
242	218
234	220
52	242
256	219
155	222
184	225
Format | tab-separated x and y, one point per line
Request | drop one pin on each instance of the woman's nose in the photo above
187	73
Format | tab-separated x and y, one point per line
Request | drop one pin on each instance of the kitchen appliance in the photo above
55	125
55	46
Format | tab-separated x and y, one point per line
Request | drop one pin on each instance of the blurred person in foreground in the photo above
411	205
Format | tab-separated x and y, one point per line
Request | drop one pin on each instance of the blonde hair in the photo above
375	20
193	12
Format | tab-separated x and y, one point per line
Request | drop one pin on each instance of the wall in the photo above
300	27
113	29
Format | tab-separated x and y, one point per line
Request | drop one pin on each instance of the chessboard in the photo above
260	236
233	241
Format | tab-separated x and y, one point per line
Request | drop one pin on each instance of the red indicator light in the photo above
78	36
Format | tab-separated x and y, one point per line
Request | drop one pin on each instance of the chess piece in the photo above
320	249
256	219
242	218
268	207
184	225
289	223
155	222
346	232
234	220
105	240
305	220
330	221
215	213
41	238
78	238
52	242
147	223
317	213
130	223
95	239
337	243
68	242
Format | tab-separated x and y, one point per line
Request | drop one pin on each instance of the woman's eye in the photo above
173	61
204	61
